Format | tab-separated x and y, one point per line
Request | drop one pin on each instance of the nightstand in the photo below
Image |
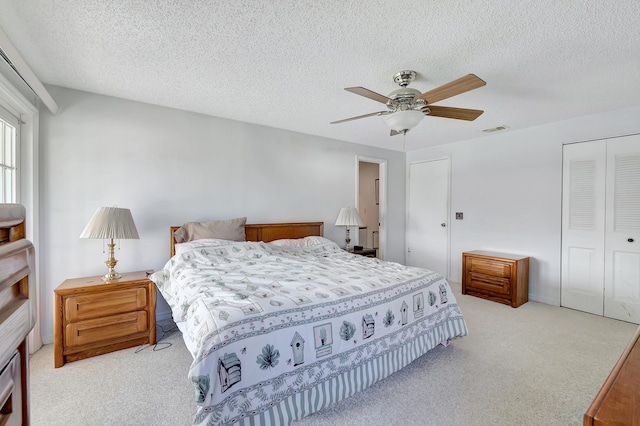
93	317
500	277
367	252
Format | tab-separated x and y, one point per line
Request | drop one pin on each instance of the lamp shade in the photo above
349	217
404	120
111	223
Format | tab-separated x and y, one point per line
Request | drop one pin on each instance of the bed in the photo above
287	323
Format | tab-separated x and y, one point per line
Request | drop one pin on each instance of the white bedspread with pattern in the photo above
283	332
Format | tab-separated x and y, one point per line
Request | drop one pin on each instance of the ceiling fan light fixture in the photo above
407	106
403	120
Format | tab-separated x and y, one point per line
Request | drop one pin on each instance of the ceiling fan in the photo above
407	106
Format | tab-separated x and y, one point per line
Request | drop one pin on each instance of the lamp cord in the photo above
158	346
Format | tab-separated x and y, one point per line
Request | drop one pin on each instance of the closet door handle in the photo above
629	240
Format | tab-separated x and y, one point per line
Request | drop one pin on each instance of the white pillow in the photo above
287	242
315	241
300	242
205	242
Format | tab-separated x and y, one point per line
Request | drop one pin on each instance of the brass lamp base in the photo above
111	276
348	241
111	262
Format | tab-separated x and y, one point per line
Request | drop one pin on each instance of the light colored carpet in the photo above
534	365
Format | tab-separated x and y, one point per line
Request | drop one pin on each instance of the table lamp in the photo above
348	217
111	223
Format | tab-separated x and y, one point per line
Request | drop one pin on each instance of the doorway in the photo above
371	203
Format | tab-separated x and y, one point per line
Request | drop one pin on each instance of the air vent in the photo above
496	129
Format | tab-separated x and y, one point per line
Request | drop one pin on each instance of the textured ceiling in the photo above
284	64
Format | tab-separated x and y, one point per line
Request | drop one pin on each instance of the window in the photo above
8	157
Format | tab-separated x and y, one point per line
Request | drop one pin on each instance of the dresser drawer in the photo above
490	267
105	328
489	283
95	305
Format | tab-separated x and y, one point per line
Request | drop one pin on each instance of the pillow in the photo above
315	241
300	242
202	243
232	229
287	242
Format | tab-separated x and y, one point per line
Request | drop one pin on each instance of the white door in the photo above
601	228
428	218
583	220
622	233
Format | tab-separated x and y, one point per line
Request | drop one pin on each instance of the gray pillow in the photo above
232	229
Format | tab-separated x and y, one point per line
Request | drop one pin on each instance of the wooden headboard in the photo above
272	231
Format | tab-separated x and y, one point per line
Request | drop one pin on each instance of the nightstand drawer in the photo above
101	329
489	283
490	267
103	304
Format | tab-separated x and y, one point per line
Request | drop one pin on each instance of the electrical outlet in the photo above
458	215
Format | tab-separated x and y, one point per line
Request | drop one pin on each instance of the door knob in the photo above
629	240
444	225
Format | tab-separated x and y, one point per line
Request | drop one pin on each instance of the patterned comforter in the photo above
283	332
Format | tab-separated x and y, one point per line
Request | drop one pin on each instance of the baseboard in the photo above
545	300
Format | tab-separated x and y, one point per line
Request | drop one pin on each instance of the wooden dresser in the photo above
17	314
500	277
618	402
93	317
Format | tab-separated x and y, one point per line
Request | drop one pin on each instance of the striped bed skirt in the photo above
344	384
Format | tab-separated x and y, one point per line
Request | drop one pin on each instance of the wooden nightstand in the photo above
367	252
93	317
500	277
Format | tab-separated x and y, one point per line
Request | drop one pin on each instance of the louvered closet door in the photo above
622	233
583	225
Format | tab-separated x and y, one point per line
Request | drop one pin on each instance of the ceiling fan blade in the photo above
368	94
457	113
453	88
360	116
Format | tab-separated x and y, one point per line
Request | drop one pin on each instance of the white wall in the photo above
509	187
170	167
